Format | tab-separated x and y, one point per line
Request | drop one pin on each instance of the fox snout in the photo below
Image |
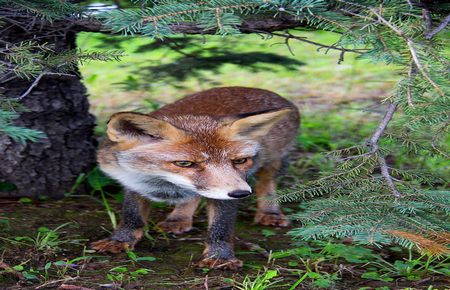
227	190
239	194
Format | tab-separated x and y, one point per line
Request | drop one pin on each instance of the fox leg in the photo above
268	213
219	252
180	219
135	211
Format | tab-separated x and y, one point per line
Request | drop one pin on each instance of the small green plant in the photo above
123	274
411	269
322	280
318	252
47	240
261	281
312	260
97	180
29	274
62	269
25	200
136	259
64	266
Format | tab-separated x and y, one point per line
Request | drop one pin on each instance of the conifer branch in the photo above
250	25
216	10
426	16
373	142
387	176
288	35
411	73
439	28
374	145
36	82
411	47
420	67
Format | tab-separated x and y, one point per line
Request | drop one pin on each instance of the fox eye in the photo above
184	163
240	161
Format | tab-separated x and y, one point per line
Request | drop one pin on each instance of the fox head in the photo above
210	156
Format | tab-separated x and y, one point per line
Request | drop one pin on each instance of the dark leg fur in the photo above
135	210
219	252
268	213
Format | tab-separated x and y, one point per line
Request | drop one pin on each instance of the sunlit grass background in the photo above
320	79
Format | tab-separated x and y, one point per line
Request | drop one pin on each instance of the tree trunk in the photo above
58	106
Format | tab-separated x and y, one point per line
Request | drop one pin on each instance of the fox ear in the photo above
128	126
255	126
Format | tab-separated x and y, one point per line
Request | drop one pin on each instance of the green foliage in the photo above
125	274
48	9
20	134
46	240
264	280
97	180
315	258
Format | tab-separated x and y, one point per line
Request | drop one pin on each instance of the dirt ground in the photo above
174	266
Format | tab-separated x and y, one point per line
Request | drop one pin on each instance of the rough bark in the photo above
58	106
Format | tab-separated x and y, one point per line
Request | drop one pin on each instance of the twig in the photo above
440	27
412	50
426	16
411	73
72	287
374	146
373	143
387	176
36	82
289	36
45	285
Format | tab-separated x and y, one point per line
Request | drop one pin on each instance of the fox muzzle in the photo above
239	194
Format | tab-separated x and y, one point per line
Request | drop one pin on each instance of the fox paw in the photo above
111	246
175	226
222	264
272	219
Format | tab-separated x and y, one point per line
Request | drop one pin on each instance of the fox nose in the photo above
239	193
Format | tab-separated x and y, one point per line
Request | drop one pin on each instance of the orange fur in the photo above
206	144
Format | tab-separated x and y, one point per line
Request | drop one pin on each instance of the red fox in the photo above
204	145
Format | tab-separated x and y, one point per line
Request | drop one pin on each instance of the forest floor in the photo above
45	244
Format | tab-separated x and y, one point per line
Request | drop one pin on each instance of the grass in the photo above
46	240
319	79
339	105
